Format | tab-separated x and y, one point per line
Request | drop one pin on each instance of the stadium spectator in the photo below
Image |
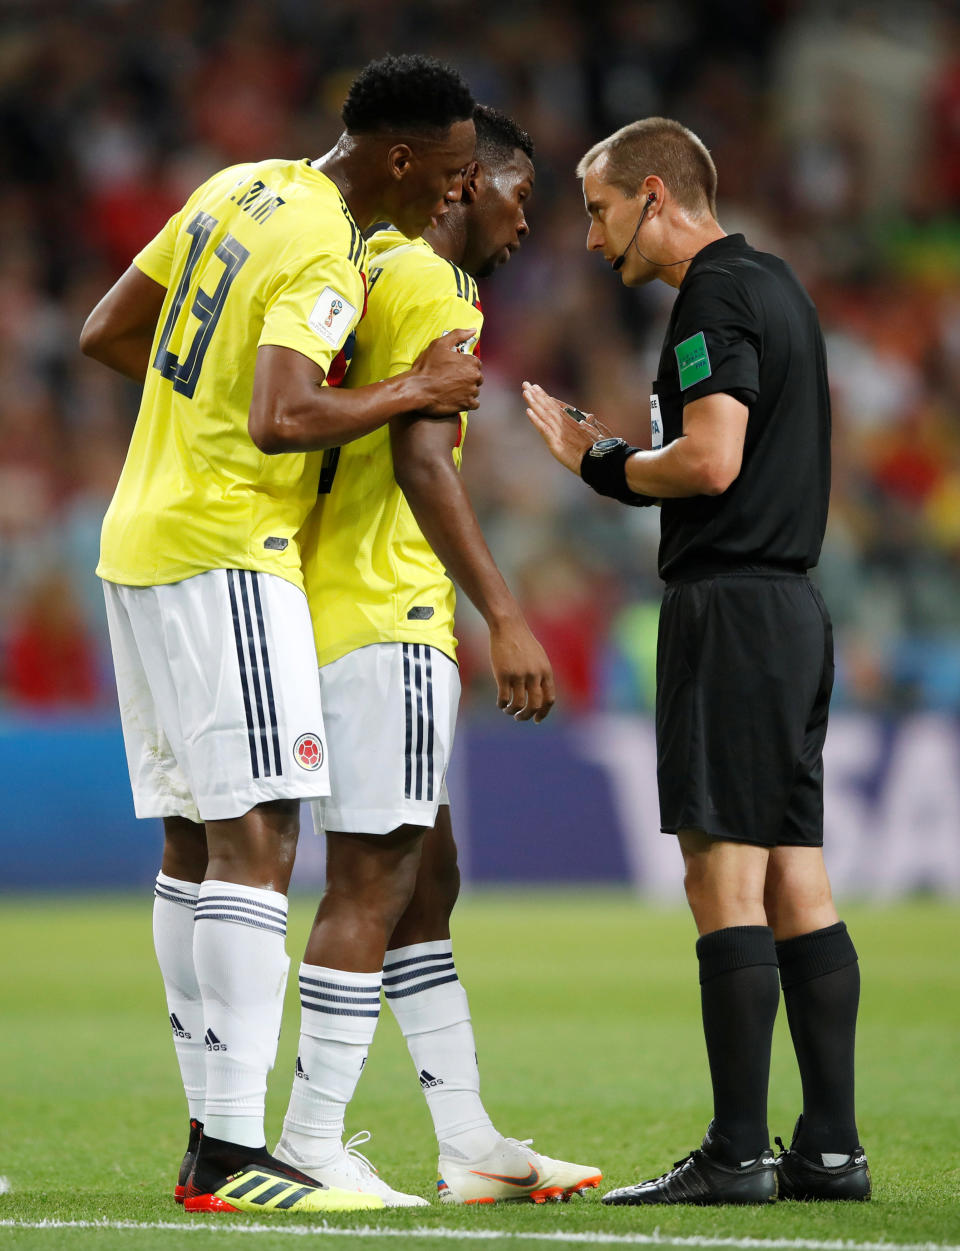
51	658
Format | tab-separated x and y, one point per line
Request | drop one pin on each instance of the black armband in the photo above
604	467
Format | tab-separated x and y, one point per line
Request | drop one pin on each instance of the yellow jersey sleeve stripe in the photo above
458	278
356	239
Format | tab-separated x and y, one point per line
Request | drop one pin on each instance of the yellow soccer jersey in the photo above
371	576
266	253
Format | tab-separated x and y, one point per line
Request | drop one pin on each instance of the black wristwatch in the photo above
605	447
604	467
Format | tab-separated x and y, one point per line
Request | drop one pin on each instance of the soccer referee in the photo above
740	466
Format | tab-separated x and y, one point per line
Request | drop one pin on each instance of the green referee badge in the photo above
692	360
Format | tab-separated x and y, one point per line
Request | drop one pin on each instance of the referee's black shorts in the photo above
744	675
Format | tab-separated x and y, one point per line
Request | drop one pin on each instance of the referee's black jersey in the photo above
743	324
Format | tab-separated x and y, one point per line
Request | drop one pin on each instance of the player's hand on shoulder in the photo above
524	675
449	374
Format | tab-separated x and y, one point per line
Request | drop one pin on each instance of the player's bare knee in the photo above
439	878
258	848
449	888
184	849
435	901
376	874
374	904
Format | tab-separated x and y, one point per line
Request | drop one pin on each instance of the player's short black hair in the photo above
406	94
498	135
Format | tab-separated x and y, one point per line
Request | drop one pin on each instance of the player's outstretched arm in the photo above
438	498
119	332
292	411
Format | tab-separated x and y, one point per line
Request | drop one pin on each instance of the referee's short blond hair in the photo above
658	145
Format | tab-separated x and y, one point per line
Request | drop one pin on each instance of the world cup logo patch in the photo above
308	752
332	317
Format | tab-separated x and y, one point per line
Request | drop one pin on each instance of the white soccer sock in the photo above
421	986
242	970
173	907
339	1013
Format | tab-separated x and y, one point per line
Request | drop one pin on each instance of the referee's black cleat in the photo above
189	1159
835	1178
703	1180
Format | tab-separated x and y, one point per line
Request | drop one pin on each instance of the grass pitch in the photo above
586	1011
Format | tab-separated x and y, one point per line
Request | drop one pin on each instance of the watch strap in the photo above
604	467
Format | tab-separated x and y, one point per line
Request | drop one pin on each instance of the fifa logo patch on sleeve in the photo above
468	345
332	317
693	360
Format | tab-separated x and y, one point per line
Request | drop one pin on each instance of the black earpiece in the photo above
618	263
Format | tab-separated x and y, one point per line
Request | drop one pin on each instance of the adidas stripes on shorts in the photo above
219	696
391	712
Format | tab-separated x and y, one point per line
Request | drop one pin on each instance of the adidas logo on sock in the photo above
178	1030
427	1080
213	1043
300	1072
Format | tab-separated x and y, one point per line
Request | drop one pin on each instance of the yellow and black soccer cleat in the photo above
267	1185
189	1159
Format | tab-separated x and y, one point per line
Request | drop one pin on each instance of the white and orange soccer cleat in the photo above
511	1172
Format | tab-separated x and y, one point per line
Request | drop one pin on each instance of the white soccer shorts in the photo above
391	712
219	695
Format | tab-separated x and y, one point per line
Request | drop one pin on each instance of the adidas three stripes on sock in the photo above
423	990
241	964
339	1011
174	905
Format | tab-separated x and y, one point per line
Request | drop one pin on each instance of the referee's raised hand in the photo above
565	436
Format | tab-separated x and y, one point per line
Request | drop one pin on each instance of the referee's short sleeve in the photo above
716	340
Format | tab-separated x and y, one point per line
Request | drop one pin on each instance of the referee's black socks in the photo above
821	989
739	995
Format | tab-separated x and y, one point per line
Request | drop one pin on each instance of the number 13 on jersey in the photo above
206	307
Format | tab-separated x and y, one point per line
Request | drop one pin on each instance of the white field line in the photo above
4	1185
656	1239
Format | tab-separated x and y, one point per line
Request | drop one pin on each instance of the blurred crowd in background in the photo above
836	131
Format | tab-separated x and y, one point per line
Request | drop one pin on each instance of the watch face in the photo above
602	446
